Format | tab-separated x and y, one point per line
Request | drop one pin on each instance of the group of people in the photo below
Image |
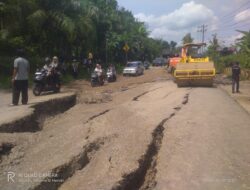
51	67
52	70
99	71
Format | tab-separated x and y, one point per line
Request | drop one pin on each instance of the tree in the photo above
213	46
244	42
173	46
187	39
244	45
74	27
213	49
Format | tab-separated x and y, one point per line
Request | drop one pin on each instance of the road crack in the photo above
5	149
143	178
42	110
144	93
79	162
97	115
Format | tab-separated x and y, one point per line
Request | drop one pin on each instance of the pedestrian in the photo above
89	65
64	68
236	77
55	71
75	69
20	78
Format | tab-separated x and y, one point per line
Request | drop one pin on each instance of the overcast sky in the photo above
172	19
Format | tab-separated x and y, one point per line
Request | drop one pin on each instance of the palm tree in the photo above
244	42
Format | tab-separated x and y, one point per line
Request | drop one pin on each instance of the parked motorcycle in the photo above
111	76
45	83
96	80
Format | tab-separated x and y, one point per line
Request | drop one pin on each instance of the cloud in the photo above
242	16
174	25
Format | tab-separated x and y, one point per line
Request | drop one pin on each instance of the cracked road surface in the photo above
151	135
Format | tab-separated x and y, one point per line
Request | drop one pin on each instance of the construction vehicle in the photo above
193	68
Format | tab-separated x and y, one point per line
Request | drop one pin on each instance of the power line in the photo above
237	23
234	26
229	25
202	29
231	19
234	11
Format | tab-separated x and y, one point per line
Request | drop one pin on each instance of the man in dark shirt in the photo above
236	77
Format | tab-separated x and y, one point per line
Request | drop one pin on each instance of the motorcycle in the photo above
45	83
96	80
111	76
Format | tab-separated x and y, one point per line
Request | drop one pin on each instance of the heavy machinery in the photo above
193	68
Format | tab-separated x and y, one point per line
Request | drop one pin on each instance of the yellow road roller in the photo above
193	68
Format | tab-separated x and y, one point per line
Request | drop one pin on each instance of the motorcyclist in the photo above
46	66
55	62
98	70
112	69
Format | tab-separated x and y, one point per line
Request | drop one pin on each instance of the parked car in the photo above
133	68
146	64
159	61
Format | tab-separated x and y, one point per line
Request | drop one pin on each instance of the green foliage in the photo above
242	55
73	28
5	82
187	38
244	42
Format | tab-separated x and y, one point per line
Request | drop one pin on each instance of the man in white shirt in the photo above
20	78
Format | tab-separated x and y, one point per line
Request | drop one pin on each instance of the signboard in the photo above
126	47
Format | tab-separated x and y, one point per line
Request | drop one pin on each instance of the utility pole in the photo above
106	36
202	29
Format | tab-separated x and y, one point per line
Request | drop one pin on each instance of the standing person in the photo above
75	69
20	78
64	68
55	71
236	77
89	65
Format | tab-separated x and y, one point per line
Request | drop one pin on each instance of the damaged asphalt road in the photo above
151	136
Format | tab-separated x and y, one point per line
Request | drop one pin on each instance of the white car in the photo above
133	68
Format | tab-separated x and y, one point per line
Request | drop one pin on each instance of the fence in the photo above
245	73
